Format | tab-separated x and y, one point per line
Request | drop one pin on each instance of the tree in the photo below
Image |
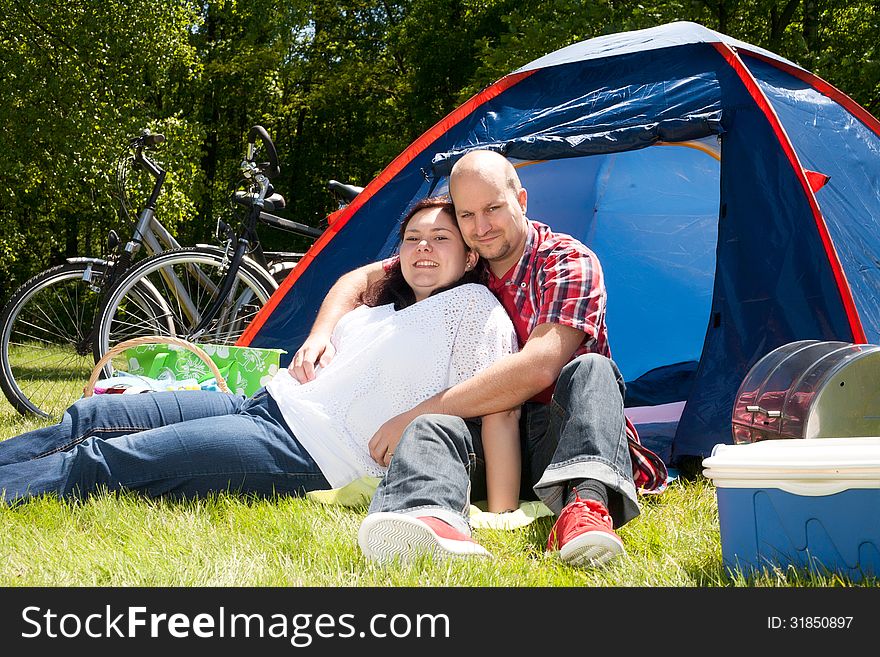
343	86
80	77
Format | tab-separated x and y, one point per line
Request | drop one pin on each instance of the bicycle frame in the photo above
148	230
242	246
242	242
258	175
152	234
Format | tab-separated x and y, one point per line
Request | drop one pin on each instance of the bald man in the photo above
573	430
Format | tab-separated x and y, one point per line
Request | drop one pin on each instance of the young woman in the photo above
425	328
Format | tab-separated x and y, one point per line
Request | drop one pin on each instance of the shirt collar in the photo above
516	275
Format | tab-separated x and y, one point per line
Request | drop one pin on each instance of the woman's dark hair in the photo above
393	288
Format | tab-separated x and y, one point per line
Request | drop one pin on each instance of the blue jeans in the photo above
579	435
179	444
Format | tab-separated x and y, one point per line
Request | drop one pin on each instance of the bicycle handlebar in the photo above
270	169
147	140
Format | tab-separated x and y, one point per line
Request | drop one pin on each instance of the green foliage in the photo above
79	78
342	86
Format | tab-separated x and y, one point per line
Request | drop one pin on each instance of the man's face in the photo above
491	217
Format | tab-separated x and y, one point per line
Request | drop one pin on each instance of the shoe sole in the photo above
385	537
591	549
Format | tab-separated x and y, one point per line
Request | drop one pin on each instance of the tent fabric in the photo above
692	164
614	140
643	41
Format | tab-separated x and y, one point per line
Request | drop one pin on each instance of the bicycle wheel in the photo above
281	264
185	282
45	344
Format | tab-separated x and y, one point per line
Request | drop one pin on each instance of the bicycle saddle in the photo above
347	192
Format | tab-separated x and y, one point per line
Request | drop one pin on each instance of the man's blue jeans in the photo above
579	435
180	444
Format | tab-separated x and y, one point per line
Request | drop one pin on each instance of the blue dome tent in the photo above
731	196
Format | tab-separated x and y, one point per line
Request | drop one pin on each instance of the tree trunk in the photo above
779	20
71	234
811	25
211	117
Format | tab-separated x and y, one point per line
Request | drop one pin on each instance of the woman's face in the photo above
432	253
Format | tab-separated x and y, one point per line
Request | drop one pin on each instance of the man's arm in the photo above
342	297
505	384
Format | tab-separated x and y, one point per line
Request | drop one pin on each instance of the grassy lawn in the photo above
227	540
51	376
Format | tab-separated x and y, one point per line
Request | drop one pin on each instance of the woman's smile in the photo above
432	252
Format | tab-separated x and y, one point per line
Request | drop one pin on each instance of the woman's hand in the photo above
316	350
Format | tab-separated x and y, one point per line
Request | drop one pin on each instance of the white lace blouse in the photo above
386	363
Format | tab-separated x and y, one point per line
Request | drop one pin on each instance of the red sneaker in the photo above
584	535
387	536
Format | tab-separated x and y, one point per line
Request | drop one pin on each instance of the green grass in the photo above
50	375
227	540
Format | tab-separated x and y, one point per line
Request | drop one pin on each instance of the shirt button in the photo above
522	285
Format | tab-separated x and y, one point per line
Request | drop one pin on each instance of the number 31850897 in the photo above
809	622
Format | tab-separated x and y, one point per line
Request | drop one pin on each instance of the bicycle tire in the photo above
283	264
45	329
199	271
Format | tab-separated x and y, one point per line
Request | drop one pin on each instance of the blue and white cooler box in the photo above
812	504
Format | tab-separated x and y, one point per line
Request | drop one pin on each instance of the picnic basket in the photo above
117	349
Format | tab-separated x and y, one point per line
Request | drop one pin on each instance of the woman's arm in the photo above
501	447
342	297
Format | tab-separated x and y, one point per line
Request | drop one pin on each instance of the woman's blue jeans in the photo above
180	444
438	465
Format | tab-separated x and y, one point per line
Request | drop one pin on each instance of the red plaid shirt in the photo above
558	280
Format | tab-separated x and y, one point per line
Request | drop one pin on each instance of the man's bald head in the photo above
490	206
489	166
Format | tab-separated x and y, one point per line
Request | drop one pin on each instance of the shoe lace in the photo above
577	514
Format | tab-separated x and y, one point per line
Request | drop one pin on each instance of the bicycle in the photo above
47	326
55	315
215	291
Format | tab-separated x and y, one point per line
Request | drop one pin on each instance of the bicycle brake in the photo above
224	232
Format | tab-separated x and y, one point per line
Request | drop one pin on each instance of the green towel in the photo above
357	493
360	492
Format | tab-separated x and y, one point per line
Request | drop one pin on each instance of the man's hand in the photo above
384	441
316	350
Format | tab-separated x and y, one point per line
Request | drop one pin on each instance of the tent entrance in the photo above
651	216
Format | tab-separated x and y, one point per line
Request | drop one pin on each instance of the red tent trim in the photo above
852	314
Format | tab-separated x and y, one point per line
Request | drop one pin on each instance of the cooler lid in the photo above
821	466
